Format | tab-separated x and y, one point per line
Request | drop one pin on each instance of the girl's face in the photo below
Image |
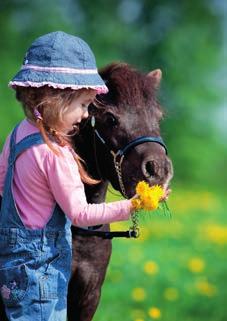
77	110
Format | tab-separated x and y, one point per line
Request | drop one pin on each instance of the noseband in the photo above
119	155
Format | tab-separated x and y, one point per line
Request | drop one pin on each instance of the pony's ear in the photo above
156	75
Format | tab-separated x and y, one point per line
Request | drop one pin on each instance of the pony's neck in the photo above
96	193
84	144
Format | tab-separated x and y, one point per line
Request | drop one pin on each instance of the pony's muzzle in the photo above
157	171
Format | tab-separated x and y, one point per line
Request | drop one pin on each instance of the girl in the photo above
41	178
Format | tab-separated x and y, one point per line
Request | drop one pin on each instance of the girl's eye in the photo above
84	106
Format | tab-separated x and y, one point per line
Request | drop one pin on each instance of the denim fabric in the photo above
59	50
34	264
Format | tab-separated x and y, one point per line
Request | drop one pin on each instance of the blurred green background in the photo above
176	271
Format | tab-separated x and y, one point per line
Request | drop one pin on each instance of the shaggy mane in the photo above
128	86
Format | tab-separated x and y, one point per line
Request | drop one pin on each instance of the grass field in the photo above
176	270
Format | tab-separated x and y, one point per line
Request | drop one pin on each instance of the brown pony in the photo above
128	112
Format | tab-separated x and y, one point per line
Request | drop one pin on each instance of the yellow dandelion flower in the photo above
206	288
152	204
154	313
216	234
171	294
158	191
145	197
141	187
139	294
196	265
151	267
148	197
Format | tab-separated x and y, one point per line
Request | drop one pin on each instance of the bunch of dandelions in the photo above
148	198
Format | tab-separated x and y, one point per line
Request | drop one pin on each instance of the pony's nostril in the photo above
149	168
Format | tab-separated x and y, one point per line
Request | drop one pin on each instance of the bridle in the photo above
118	156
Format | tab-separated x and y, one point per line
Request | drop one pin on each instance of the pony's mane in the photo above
128	86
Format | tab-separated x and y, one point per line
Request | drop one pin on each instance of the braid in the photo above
62	141
39	124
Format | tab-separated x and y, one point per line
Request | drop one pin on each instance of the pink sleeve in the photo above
4	163
68	190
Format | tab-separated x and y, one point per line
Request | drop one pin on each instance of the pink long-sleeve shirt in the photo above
42	178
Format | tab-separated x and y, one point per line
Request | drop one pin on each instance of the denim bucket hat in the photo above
59	60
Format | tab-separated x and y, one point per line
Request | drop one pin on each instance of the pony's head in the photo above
127	131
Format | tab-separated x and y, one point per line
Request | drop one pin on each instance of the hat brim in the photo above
33	78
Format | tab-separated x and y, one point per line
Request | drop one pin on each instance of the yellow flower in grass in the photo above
148	197
139	294
206	288
216	233
154	313
196	265
151	267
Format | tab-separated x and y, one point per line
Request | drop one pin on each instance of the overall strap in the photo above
9	213
27	142
17	148
58	220
12	145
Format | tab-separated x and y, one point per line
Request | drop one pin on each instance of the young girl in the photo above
41	178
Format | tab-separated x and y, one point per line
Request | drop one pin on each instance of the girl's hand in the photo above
166	195
133	208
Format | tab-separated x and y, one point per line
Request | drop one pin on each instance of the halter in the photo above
119	155
133	232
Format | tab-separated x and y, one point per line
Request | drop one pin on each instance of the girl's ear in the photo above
156	75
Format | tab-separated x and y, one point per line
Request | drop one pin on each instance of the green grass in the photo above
176	270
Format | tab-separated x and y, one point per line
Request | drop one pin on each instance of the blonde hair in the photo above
51	103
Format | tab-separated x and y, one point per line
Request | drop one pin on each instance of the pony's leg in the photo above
90	260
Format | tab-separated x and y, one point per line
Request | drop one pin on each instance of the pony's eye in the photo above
111	120
92	109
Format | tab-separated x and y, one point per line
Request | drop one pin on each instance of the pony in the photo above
121	144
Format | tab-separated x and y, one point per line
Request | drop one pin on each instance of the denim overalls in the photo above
35	265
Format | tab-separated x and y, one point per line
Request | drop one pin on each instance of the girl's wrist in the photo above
134	203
